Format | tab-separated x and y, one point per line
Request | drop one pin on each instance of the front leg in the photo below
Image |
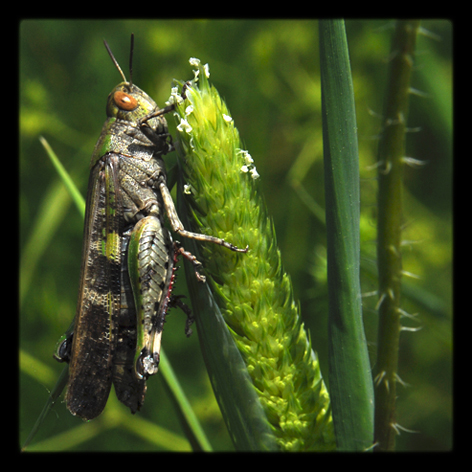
160	136
178	227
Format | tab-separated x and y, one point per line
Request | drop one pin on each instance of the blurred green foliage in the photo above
268	73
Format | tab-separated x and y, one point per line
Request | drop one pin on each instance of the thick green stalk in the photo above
390	174
350	374
270	390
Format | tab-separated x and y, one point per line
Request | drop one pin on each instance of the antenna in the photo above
131	60
115	61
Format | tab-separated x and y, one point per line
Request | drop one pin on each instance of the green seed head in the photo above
253	291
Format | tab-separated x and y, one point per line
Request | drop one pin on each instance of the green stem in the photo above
390	174
351	388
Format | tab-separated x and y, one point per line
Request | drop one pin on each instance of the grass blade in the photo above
188	419
350	377
68	182
53	396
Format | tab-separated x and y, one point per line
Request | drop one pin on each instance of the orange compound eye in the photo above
125	101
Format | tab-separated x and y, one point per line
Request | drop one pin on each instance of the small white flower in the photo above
187	189
207	70
189	110
246	156
194	61
175	97
249	164
254	174
184	126
227	118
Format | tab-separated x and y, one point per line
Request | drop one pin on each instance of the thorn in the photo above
395	121
370	294
373	137
400	381
387	168
413	330
407	242
390	25
393	250
379	378
392	56
374	113
405	314
398	427
409	59
370	448
374	166
381	300
429	34
412	162
418	93
417	129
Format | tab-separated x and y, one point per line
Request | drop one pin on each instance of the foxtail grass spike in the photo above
252	290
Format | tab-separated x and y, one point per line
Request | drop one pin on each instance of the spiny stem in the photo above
390	157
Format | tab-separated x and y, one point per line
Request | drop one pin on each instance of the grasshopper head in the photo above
126	101
129	103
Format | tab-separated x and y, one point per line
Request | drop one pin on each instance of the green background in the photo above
268	73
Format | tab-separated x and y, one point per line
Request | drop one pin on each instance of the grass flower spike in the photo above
252	290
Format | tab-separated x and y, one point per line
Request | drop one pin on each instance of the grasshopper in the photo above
128	259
